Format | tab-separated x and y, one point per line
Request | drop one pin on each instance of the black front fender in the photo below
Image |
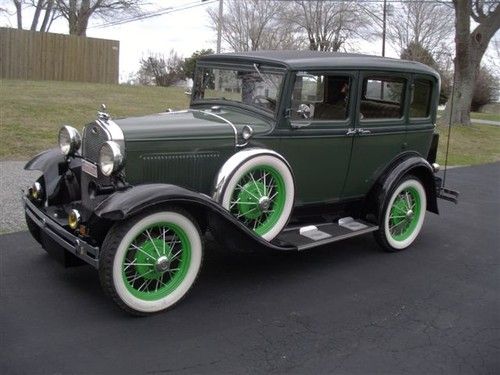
46	160
127	203
53	165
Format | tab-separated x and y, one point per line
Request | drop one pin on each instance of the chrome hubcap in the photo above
162	264
264	203
409	214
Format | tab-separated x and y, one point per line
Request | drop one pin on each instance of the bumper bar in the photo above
56	232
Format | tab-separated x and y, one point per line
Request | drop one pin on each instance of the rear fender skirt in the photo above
130	202
409	163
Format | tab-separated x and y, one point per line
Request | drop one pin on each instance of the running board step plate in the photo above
310	236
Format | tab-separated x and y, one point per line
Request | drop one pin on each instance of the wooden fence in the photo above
46	56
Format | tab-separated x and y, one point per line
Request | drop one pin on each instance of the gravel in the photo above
13	178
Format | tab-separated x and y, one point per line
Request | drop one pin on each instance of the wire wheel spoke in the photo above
258	198
156	261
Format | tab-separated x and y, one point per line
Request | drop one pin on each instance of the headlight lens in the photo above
110	158
69	140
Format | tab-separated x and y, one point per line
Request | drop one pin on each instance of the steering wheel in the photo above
264	100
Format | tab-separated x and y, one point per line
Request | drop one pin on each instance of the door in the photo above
380	129
315	140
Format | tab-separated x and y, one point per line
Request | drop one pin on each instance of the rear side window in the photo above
382	97
421	98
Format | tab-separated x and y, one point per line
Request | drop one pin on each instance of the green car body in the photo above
275	145
331	165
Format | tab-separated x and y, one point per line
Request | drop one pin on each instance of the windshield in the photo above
250	86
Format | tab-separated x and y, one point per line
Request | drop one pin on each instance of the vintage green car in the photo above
278	151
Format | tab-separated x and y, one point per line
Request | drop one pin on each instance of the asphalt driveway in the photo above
344	308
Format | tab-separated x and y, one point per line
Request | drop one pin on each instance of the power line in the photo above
151	14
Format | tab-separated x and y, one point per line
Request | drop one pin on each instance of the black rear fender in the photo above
409	164
128	203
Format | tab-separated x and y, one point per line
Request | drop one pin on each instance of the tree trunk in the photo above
19	13
36	16
82	24
73	18
470	48
48	16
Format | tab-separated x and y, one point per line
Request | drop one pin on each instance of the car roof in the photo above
302	60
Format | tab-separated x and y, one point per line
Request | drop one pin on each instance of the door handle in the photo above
357	131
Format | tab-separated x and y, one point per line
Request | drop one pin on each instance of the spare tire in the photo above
259	192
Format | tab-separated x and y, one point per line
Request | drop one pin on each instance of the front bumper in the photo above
55	231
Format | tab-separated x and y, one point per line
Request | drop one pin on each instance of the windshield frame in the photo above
246	66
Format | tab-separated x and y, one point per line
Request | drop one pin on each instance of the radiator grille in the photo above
93	138
195	171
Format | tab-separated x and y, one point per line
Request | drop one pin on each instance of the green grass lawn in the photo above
481	116
485	116
469	145
31	113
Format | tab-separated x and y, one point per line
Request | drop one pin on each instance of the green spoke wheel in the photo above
403	215
156	261
260	194
149	262
259	199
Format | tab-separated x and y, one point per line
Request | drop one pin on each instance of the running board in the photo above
309	236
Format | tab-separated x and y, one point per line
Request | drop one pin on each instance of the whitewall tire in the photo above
260	193
403	215
150	262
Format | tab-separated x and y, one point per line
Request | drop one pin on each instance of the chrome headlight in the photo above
36	191
69	140
110	158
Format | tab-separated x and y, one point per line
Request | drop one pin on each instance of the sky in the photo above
184	31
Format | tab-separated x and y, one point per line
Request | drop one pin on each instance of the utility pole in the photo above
384	22
384	19
219	25
219	42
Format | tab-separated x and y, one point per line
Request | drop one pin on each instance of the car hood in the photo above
190	124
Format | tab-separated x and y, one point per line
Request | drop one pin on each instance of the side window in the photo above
421	98
320	97
382	97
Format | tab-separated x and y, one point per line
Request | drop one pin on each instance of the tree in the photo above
328	24
79	12
161	71
485	89
43	6
416	52
189	64
470	49
44	10
427	24
18	4
255	24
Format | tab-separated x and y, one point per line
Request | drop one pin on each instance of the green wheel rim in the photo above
156	261
404	214
258	199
